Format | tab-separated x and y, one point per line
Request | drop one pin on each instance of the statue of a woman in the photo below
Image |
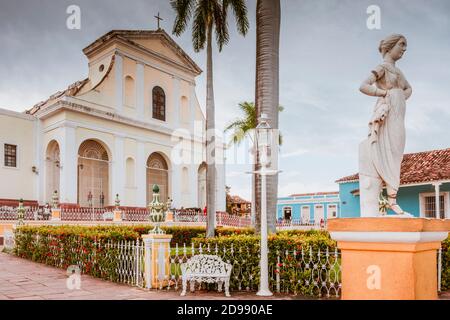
381	154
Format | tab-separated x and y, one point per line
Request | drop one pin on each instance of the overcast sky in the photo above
326	52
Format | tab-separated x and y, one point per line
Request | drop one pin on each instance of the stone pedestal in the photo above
169	216
56	214
389	258
117	215
156	260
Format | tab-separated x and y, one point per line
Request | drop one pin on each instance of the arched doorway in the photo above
201	176
52	170
93	175
157	173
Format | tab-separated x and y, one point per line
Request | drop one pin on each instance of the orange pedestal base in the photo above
56	215
389	258
117	215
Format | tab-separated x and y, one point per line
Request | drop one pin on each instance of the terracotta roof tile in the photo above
419	167
237	199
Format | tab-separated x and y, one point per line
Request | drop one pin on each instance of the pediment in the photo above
154	43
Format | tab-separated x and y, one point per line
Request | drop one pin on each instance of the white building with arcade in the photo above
133	122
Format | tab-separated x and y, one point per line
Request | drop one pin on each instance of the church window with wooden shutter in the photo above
159	104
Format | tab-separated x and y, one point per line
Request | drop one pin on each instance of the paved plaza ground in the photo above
22	279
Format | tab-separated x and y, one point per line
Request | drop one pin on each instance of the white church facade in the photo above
133	122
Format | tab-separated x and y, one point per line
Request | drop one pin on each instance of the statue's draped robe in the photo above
387	128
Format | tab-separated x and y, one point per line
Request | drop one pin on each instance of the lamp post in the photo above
263	143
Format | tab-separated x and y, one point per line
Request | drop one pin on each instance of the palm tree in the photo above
268	18
209	16
242	128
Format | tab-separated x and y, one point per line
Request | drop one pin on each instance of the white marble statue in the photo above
381	154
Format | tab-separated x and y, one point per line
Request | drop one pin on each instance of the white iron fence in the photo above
304	272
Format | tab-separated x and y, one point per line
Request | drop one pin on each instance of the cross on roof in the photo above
158	19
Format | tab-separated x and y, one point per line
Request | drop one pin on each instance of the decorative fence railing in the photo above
311	273
117	261
292	224
83	214
135	215
188	215
305	272
222	218
10	213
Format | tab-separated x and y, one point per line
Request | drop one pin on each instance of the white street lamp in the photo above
263	143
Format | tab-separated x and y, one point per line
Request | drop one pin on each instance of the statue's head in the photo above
394	45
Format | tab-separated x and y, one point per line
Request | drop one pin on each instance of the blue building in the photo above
309	208
425	177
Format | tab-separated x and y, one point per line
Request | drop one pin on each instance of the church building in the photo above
135	121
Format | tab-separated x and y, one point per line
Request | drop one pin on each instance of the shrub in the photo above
288	268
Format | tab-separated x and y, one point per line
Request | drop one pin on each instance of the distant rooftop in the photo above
326	193
238	200
419	167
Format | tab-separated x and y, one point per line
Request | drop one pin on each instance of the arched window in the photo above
157	173
129	92
184	112
130	173
52	170
202	185
159	103
93	175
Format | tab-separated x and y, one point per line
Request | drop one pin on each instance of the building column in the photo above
69	163
140	90
141	174
176	103
175	182
39	161
436	194
193	185
118	73
192	106
118	170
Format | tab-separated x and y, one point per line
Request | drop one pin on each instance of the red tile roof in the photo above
237	200
419	167
315	194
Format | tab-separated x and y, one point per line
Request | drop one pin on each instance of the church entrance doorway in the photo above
93	175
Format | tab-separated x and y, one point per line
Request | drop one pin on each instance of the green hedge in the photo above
181	235
291	270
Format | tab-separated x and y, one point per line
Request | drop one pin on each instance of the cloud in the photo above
326	51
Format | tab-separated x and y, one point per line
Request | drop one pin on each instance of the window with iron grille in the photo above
159	103
10	155
430	206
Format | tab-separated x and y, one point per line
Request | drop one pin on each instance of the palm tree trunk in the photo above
210	142
268	17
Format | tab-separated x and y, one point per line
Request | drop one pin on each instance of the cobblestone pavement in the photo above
22	279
